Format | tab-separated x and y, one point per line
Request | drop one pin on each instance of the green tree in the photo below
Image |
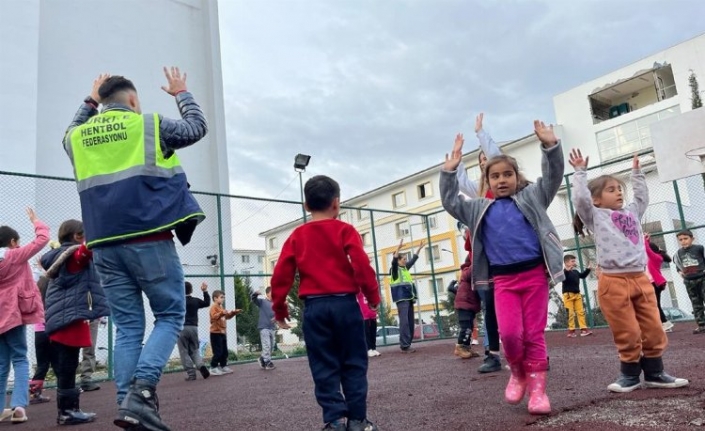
450	321
296	308
247	319
384	315
560	316
695	100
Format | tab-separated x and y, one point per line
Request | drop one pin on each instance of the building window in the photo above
362	213
434	251
630	137
260	259
632	94
246	272
473	173
425	190
273	242
343	216
365	238
432	222
399	199
245	258
402	229
440	287
274	263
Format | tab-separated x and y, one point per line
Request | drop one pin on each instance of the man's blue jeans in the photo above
13	350
126	272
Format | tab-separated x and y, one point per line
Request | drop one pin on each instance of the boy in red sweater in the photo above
333	267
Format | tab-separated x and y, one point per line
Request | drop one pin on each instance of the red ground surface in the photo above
427	390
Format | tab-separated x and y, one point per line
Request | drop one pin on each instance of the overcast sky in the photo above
376	90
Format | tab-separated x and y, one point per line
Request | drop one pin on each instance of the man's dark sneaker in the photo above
625	384
699	330
338	425
363	425
262	364
89	386
408	350
269	365
204	371
491	364
140	408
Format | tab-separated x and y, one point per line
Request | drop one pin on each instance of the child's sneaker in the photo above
625	384
667	326
474	342
663	380
491	364
216	371
376	352
370	354
338	425
571	334
585	332
270	366
226	370
363	425
699	330
262	364
204	371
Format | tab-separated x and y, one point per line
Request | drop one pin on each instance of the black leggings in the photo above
371	333
491	328
465	321
658	302
64	361
42	351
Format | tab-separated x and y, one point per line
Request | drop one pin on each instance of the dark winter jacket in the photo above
71	297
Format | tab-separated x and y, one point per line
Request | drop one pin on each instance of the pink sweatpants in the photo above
521	302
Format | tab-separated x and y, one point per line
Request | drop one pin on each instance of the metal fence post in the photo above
433	277
374	247
578	248
679	204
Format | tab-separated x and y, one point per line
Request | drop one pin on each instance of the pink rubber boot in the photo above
516	387
538	400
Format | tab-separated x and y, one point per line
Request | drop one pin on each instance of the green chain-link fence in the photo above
236	247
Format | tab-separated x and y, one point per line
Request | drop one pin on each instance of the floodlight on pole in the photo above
300	163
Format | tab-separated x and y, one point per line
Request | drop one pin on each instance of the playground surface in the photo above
427	390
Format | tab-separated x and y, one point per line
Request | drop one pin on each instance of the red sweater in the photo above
330	259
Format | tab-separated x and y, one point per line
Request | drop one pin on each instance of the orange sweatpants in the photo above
628	302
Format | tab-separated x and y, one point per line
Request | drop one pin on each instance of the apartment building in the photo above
611	117
249	264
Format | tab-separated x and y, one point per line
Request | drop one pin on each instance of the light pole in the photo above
300	163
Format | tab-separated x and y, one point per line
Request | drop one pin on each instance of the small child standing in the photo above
333	267
626	297
370	317
20	305
266	326
219	339
655	258
466	304
74	297
690	262
188	342
42	352
572	298
515	243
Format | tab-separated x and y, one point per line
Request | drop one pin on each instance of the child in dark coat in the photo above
467	305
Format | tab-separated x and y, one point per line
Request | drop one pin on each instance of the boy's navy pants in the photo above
334	333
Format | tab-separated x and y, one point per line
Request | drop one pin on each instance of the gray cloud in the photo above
376	90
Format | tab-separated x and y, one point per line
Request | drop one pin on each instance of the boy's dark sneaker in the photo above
625	384
663	380
363	425
262	364
89	386
204	371
699	330
491	364
338	425
190	377
269	366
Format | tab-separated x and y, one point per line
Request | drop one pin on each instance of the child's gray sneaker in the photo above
363	425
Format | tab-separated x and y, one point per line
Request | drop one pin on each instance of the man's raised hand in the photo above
176	82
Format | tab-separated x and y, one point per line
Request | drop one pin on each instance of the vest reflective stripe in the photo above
117	145
169	226
404	277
